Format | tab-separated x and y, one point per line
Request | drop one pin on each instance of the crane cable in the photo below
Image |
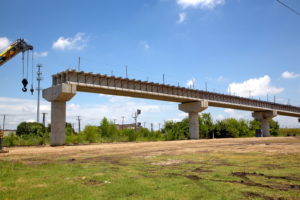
31	89
24	81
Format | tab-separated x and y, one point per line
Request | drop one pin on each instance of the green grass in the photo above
191	176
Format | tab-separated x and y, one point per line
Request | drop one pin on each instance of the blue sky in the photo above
245	47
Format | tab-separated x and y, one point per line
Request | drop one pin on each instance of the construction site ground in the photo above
233	168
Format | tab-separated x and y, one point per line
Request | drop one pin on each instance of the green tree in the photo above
108	129
205	125
274	127
27	128
231	128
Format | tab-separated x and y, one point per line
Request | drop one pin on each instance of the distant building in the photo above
128	126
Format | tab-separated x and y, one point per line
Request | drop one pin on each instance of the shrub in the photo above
27	128
10	140
91	133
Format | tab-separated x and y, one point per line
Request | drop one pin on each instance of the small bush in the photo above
289	132
10	140
91	133
27	128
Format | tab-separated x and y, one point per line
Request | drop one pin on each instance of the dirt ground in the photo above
270	145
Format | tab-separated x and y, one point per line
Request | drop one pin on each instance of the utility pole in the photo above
39	78
151	127
159	126
126	71
44	119
79	63
206	86
163	78
3	125
144	124
135	116
78	119
123	122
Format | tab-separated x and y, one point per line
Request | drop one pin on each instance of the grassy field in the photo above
249	168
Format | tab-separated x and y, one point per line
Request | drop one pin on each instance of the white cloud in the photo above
289	75
236	114
287	122
203	4
191	83
254	87
77	42
220	117
4	43
145	45
182	17
41	54
20	110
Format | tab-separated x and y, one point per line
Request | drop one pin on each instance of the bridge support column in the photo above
193	108
264	117
58	123
58	96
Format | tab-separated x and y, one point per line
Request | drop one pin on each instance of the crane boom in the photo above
18	46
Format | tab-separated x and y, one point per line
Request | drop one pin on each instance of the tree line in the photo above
32	133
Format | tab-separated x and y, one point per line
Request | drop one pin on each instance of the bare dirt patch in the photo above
169	162
247	181
116	152
93	182
261	196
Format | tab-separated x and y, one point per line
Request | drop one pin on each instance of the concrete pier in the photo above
193	108
58	123
264	117
58	96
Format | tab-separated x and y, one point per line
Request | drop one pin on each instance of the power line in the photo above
288	7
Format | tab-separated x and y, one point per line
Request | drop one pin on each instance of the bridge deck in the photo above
98	83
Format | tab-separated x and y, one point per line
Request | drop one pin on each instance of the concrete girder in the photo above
193	108
58	96
264	117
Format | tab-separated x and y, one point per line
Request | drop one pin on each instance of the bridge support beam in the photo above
58	96
264	117
193	108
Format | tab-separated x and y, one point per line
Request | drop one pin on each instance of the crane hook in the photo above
25	83
31	90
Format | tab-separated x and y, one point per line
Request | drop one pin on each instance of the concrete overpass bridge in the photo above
67	83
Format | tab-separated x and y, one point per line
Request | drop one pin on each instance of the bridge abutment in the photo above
264	117
58	96
193	108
